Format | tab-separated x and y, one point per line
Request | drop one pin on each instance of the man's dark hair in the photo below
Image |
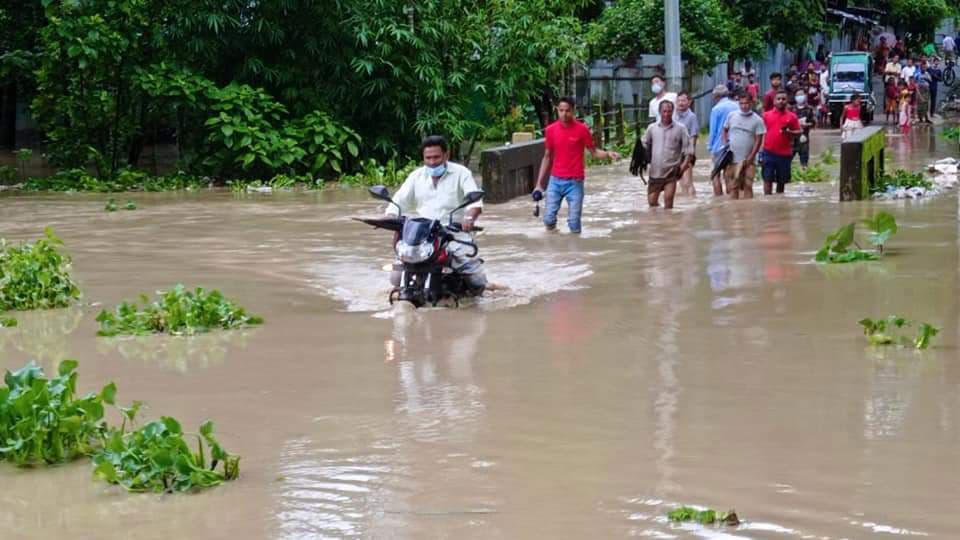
434	140
776	75
658	76
783	91
744	94
684	93
665	102
568	100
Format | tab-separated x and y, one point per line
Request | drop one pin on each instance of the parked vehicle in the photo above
850	72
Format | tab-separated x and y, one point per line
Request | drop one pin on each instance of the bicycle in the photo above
949	74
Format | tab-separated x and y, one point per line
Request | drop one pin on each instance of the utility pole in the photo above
671	25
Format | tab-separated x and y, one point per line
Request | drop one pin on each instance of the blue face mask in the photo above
437	171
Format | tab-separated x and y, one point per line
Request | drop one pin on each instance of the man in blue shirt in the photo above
718	115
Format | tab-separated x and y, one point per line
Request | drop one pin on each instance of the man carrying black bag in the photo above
669	154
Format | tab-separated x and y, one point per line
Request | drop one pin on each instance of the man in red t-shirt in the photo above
775	85
566	139
782	126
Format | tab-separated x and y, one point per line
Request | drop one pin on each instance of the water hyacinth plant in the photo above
703	517
838	246
889	331
176	311
41	420
157	458
35	276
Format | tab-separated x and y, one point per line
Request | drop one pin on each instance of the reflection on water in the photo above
179	353
692	357
42	335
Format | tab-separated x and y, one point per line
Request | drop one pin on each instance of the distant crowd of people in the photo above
911	81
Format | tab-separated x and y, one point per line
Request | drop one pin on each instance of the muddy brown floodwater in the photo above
696	357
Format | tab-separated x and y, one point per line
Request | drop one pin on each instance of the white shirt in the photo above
654	111
949	44
419	196
907	72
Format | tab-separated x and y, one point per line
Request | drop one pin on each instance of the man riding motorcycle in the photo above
435	190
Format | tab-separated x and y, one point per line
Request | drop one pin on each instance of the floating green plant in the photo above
176	311
35	275
838	247
42	421
891	331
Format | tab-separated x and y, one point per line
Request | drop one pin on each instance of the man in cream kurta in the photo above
433	191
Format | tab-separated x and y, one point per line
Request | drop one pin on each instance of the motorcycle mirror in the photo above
473	197
380	192
468	199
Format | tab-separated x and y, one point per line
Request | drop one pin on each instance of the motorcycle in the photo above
426	274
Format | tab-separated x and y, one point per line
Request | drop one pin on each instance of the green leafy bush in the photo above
76	180
176	311
837	246
41	420
35	276
951	133
827	157
887	332
8	175
111	205
373	174
812	174
900	179
157	458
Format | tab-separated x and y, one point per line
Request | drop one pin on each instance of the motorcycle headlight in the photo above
414	254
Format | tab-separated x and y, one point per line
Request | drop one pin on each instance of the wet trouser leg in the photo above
557	190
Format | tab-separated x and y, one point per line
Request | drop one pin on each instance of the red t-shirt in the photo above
774	141
567	144
853	112
754	90
768	100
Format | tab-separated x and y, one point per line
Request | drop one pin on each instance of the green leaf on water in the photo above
67	367
927	332
8	322
109	394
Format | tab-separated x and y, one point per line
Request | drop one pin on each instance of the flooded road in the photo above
696	357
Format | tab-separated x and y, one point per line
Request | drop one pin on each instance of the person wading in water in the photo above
562	163
671	155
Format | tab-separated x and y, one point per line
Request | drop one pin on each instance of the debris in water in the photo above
704	517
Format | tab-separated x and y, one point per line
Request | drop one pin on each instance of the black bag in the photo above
640	159
726	158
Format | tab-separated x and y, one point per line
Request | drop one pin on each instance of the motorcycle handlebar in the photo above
458	227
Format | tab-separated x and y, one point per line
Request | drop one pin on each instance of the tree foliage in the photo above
293	86
791	22
709	31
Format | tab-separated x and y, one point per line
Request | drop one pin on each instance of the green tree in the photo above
709	32
21	21
791	22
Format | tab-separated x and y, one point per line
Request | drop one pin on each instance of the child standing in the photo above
850	119
890	105
904	109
